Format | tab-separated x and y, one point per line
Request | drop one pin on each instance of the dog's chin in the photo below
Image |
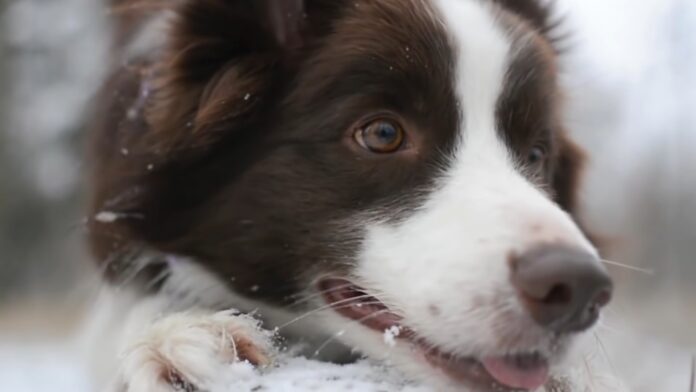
527	370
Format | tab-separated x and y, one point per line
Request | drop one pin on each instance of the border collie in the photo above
392	174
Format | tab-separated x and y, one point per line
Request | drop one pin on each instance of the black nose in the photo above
562	288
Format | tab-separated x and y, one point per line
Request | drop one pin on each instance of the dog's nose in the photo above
563	289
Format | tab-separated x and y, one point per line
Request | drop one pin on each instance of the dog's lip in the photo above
353	302
505	373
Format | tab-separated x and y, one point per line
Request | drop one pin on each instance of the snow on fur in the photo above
295	374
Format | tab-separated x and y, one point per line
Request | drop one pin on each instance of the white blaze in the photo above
452	253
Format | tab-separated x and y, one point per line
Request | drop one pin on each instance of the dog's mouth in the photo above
506	373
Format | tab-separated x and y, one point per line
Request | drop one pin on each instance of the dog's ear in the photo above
222	69
537	13
568	173
285	19
221	60
567	180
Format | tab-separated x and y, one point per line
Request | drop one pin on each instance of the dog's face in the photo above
401	161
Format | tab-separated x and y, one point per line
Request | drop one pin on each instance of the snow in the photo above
40	367
106	217
111	216
390	335
300	374
56	367
44	366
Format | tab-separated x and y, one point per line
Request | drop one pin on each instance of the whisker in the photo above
306	299
343	331
348	305
324	307
629	267
606	326
604	351
588	369
327	341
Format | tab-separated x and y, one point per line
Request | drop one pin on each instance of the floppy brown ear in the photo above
539	15
221	58
159	117
568	173
534	11
285	20
567	181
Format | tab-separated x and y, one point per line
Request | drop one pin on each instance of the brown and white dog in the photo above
341	168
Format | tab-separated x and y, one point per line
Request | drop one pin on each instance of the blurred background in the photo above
630	69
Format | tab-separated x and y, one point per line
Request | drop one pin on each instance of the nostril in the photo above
603	298
562	289
559	294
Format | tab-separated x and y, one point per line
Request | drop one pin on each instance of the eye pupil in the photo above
380	136
386	132
536	155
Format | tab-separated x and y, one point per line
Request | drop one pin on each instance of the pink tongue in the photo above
506	373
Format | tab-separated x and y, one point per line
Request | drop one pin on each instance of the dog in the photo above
391	175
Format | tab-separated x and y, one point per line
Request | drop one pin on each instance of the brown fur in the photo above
230	144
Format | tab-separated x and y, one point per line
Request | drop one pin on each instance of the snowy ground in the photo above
40	367
298	374
56	367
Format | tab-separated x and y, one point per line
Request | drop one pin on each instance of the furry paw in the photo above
189	351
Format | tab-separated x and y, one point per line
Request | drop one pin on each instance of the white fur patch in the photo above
131	338
139	341
192	348
445	268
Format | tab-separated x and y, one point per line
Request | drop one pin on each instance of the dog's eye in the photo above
537	155
380	136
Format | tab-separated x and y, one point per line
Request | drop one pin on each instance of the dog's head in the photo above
403	161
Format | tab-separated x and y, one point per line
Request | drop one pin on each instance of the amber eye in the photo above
380	136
